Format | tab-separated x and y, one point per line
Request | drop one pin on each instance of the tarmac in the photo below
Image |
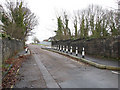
58	70
94	61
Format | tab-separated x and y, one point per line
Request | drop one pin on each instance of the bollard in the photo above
66	49
71	50
57	47
26	50
83	53
60	48
76	51
63	48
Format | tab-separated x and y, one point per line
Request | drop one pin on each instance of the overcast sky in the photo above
46	11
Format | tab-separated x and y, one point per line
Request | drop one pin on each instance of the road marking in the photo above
50	82
115	72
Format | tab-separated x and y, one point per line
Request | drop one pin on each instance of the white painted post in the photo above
66	49
71	50
63	48
60	48
57	47
76	51
83	53
26	49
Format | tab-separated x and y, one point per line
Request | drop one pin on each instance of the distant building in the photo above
52	39
46	40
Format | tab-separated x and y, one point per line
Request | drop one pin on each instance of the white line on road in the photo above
50	82
115	72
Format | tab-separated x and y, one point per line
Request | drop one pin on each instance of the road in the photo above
59	71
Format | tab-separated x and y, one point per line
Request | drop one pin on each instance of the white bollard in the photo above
57	47
76	51
63	48
71	50
83	53
26	50
60	48
66	49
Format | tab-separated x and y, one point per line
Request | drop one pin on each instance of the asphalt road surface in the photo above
59	71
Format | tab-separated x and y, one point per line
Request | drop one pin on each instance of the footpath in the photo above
11	67
94	61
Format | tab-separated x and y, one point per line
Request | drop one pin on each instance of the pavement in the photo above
103	63
29	75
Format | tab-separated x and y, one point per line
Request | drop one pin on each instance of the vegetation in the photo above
93	22
18	20
36	40
63	32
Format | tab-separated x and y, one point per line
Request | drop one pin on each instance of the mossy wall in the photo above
105	47
9	47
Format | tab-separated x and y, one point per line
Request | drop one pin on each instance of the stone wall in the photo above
0	50
9	47
107	47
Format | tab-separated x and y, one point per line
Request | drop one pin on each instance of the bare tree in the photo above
18	19
35	40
